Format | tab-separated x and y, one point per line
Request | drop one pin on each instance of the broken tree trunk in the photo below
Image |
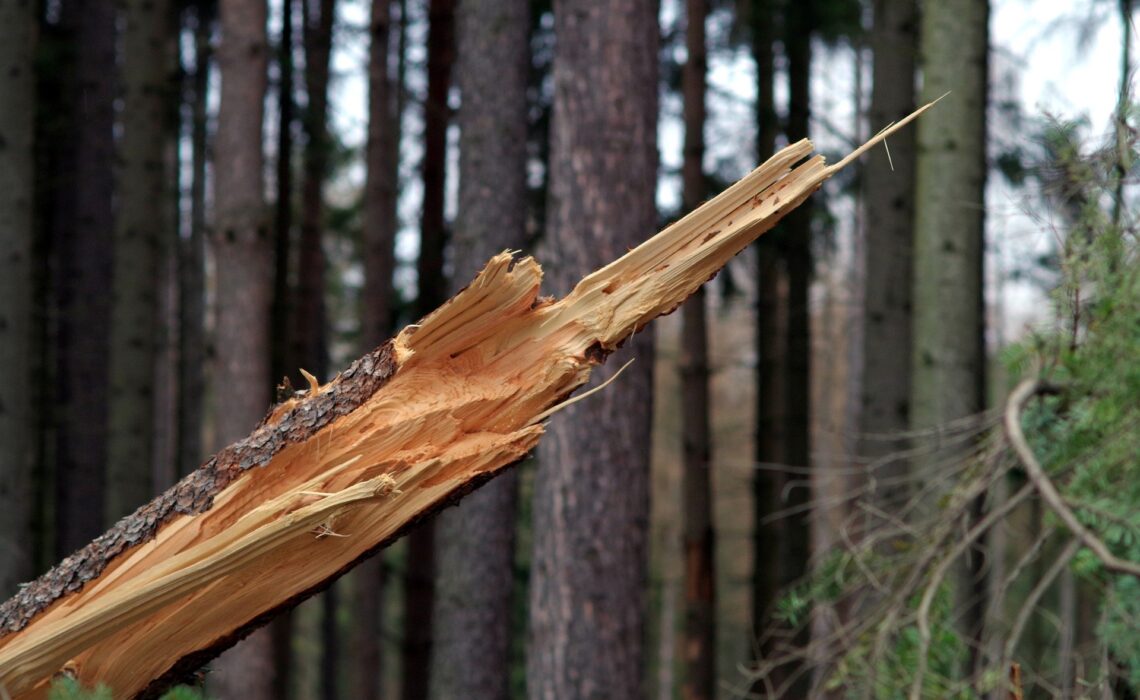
330	477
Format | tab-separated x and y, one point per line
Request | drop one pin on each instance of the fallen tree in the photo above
330	477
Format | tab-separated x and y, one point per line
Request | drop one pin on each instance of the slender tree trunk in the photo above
948	361
310	332
285	359
419	578
696	487
17	410
283	364
380	188
796	239
82	240
475	543
144	195
192	258
769	350
888	197
587	611
380	223
243	254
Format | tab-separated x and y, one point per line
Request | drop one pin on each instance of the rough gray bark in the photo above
475	541
696	438
142	223
888	200
948	361
17	416
82	240
242	251
587	611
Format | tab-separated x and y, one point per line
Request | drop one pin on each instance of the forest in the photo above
331	369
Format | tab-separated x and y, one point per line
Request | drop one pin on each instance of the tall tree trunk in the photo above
310	332
192	258
141	229
379	236
587	609
385	111
696	487
888	197
948	361
17	411
243	255
283	205
285	360
82	240
795	239
475	542
770	324
419	578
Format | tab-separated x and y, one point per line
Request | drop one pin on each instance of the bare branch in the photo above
1013	407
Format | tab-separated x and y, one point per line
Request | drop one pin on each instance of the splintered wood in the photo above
329	478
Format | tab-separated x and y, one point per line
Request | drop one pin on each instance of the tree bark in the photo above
17	408
382	162
587	619
888	197
696	487
419	577
948	364
475	542
244	281
82	237
283	363
310	328
795	241
770	329
192	256
444	406
145	196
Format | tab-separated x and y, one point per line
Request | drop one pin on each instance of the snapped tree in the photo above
336	473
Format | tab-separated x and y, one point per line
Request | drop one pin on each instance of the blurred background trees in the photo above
803	486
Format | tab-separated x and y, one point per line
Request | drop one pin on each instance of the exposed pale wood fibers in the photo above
329	477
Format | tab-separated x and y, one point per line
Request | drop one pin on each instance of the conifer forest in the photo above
569	349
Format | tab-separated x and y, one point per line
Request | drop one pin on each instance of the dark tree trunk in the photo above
795	237
380	223
310	330
587	611
283	364
17	404
143	225
888	198
696	488
419	579
770	332
475	544
244	256
82	242
192	258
